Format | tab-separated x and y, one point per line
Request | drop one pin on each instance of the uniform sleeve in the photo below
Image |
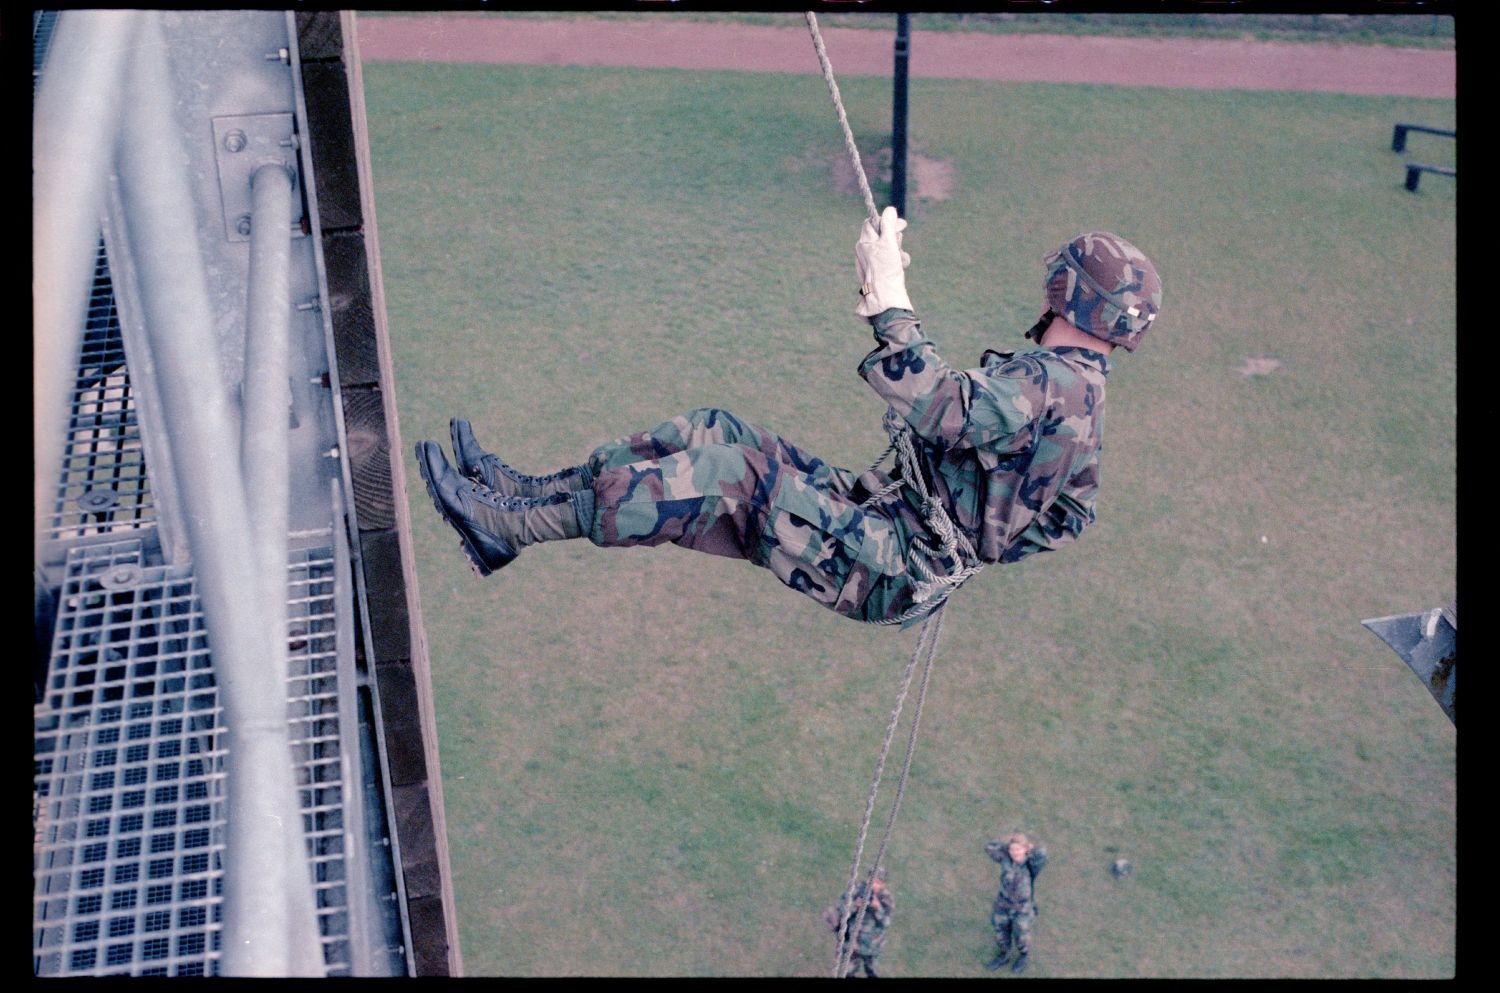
996	850
946	407
885	906
1037	860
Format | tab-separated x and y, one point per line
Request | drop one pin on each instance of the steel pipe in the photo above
77	113
264	450
267	393
265	890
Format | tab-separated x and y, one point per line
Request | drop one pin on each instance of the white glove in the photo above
881	265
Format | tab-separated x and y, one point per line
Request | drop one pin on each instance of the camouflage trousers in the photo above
858	961
866	950
711	482
1012	929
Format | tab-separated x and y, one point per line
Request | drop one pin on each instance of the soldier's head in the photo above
1102	285
1019	846
877	878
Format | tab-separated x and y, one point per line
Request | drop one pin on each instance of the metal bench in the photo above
1414	170
1414	173
1398	137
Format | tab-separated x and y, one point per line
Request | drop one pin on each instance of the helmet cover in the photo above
1104	286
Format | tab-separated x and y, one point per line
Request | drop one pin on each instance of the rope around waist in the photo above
930	589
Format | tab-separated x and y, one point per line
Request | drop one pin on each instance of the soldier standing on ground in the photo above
869	914
1015	909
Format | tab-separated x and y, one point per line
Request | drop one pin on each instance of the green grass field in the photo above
655	763
1425	30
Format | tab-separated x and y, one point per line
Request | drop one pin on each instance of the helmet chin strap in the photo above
1040	327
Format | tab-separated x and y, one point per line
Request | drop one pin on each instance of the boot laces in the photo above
496	499
520	477
501	501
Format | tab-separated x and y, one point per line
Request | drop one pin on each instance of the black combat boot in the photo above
1020	963
474	462
1000	959
495	528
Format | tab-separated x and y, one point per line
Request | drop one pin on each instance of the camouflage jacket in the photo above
872	923
1011	447
1017	879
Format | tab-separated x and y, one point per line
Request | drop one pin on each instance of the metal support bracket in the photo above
241	146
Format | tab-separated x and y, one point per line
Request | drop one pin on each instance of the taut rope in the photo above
952	544
838	104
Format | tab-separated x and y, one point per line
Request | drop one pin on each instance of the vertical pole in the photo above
263	932
264	462
266	468
77	116
898	115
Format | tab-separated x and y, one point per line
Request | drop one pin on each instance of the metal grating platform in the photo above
131	797
103	487
129	791
317	733
42	23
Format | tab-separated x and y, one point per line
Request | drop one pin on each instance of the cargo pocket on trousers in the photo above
806	556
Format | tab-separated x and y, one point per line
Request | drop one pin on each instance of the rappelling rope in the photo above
838	103
928	646
952	543
930	592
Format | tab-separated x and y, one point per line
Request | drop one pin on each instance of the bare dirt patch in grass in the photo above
934	178
1259	365
928	178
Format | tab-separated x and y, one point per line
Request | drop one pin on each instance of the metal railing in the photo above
249	745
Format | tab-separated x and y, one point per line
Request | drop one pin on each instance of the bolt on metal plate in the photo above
119	577
98	500
242	145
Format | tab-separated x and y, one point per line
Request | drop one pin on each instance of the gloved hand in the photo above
881	265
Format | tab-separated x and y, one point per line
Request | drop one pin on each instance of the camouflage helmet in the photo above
1104	286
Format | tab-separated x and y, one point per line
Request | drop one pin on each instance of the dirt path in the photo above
683	44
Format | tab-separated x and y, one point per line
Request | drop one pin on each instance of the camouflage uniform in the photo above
1014	911
1010	448
872	924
